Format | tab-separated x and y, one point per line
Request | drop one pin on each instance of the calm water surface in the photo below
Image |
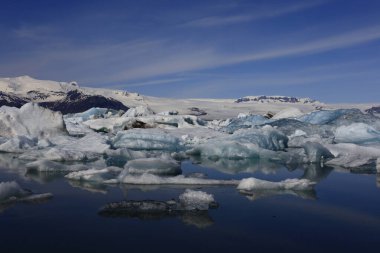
341	215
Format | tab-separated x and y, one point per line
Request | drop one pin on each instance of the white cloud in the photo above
272	12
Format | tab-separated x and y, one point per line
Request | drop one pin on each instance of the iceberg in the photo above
357	133
247	143
316	153
196	200
156	166
31	121
325	116
146	139
95	175
138	111
246	121
350	155
252	184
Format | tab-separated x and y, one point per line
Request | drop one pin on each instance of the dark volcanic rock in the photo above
373	110
196	111
75	101
11	100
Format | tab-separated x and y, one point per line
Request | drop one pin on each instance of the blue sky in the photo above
324	49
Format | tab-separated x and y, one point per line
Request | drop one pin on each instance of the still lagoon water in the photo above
342	214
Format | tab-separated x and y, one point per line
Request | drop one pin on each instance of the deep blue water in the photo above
342	215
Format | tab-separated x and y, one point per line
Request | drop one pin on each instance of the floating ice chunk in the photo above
357	133
250	184
316	153
157	166
95	175
196	200
149	179
148	139
325	116
267	138
138	111
248	143
245	122
30	120
88	147
350	155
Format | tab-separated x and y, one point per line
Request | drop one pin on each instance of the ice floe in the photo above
250	184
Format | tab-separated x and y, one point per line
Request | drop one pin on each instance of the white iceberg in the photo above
30	120
196	200
357	133
316	153
350	155
95	175
251	184
138	111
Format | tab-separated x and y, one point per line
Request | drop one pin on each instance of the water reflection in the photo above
89	186
230	166
316	173
157	210
255	195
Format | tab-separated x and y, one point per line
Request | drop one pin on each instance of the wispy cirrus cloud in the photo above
192	59
148	60
268	12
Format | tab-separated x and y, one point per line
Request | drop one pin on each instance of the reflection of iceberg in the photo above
192	208
11	193
150	179
238	166
316	173
307	194
44	176
89	186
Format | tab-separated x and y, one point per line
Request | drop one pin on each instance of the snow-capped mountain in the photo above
277	99
66	97
69	97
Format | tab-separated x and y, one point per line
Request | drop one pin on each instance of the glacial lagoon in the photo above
341	213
